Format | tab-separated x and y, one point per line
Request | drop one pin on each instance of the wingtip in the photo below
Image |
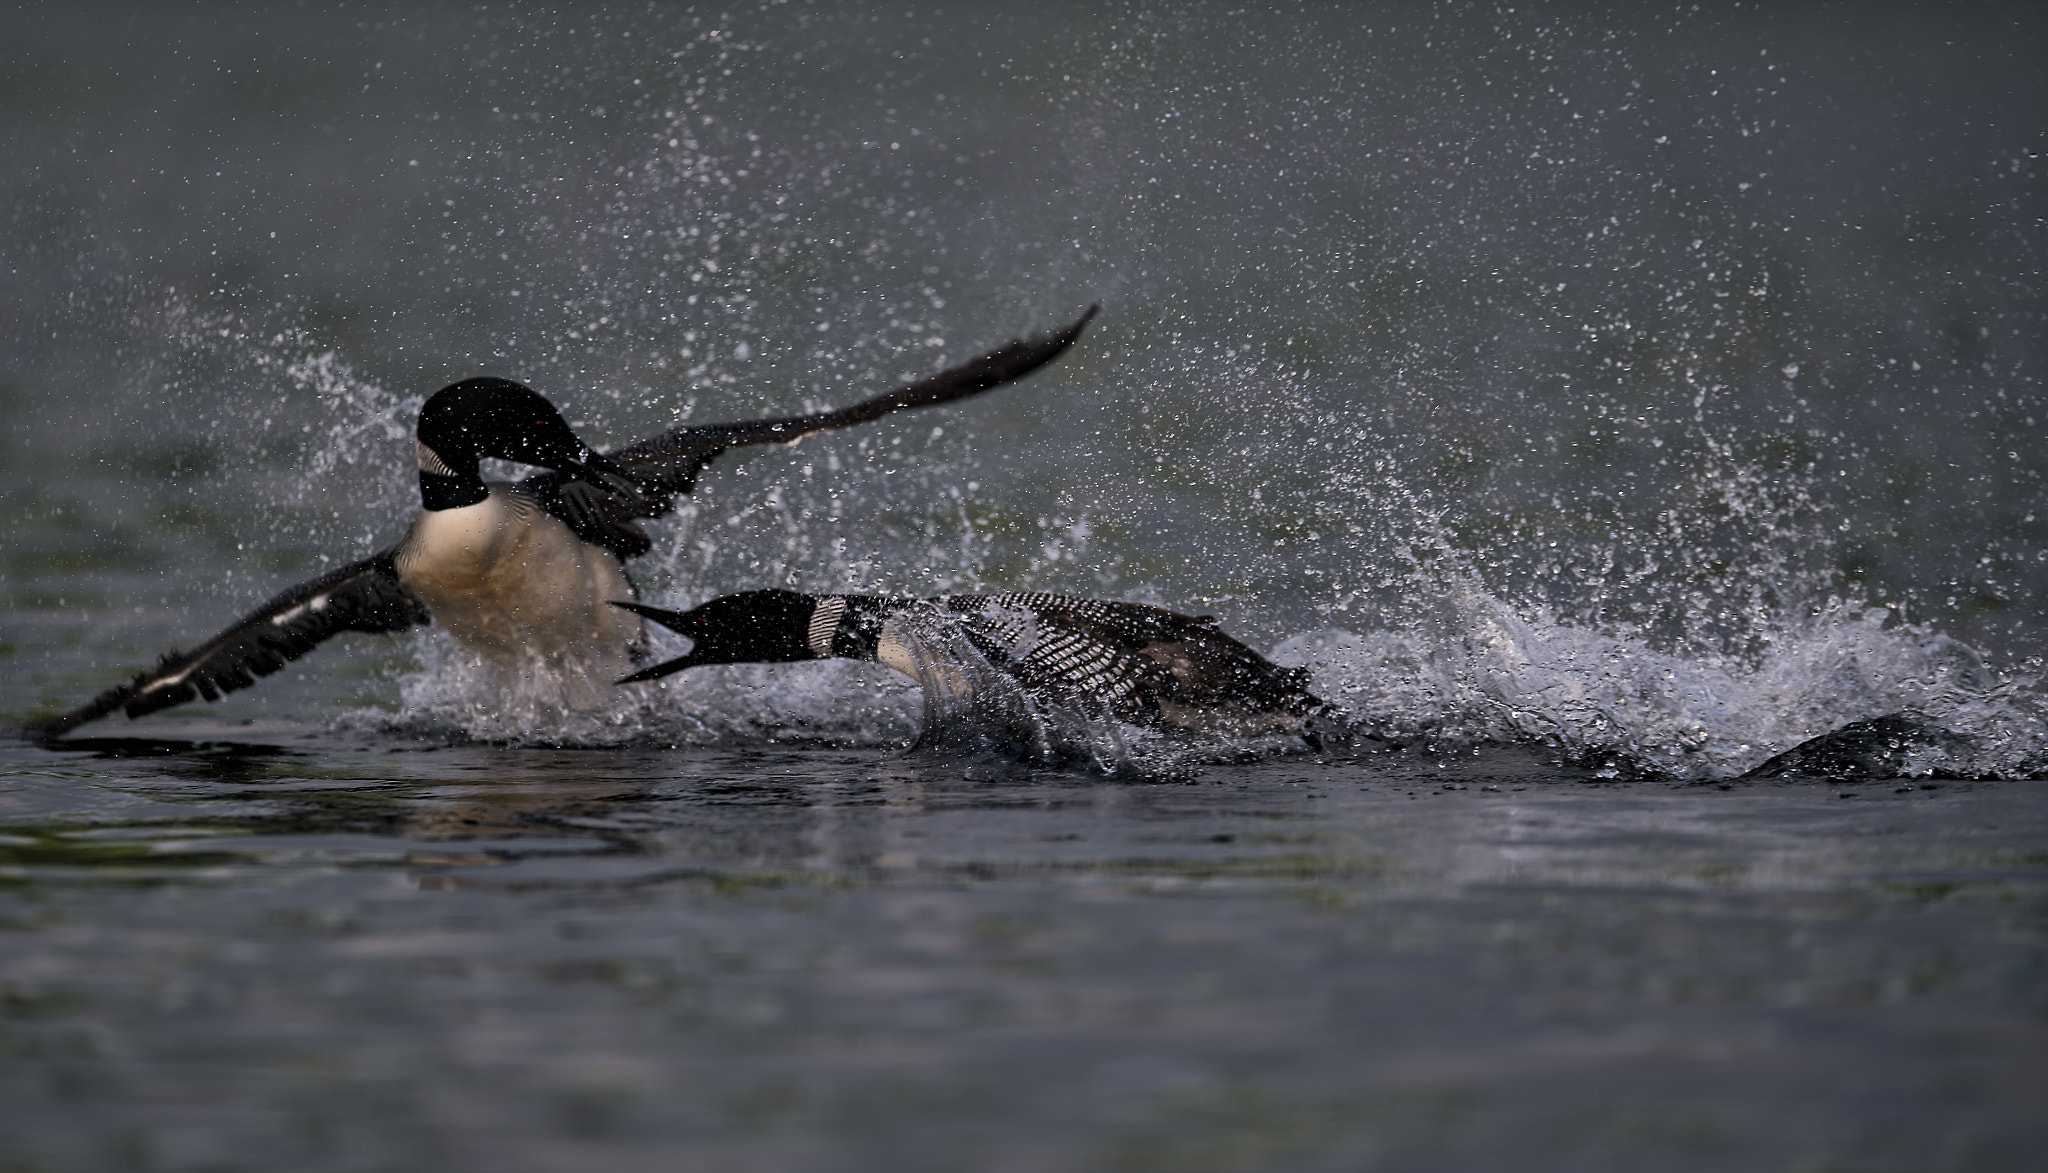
42	732
56	729
1068	335
106	704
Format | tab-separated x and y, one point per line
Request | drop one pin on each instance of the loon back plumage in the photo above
506	566
1141	663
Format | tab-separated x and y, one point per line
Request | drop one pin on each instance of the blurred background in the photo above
1673	322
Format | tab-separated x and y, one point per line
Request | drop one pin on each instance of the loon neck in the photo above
447	486
850	626
439	491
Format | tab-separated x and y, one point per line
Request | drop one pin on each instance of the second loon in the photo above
1139	663
516	572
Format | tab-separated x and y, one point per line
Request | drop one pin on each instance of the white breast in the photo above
514	584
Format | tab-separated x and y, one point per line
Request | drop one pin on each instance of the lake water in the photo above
1598	402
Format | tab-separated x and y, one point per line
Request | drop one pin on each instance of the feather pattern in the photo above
1141	662
363	596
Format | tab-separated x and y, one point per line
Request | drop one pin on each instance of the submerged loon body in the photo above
1139	663
520	574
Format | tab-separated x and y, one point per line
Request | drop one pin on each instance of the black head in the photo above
464	422
753	627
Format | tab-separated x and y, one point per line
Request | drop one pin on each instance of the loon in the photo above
520	571
1139	663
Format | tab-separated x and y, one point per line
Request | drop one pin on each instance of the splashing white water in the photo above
1470	667
456	693
1479	671
959	702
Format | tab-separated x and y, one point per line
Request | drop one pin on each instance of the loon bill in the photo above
522	570
1142	664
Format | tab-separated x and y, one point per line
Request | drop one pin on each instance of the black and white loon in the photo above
1140	663
517	571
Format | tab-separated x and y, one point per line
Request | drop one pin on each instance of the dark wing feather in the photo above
1135	656
668	464
365	596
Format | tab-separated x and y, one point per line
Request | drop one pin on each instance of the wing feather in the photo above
1134	655
667	465
364	596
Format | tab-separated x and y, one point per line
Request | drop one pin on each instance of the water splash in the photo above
1711	634
1478	670
292	406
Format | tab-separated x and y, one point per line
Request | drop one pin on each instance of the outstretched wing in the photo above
668	464
365	596
673	460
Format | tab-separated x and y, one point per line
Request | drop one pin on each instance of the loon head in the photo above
752	627
464	422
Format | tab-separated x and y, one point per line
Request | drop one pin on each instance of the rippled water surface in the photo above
329	954
1598	400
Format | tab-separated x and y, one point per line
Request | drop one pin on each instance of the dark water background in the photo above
1600	399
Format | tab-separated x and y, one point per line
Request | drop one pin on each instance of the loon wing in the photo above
365	596
1061	646
1134	656
668	464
